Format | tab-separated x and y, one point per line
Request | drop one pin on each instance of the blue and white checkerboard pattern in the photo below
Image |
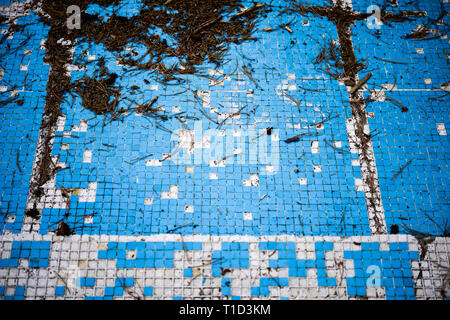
220	267
287	222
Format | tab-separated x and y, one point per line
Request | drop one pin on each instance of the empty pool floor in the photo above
272	176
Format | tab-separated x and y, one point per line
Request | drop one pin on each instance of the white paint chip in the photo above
189	209
60	123
303	181
314	146
389	86
89	194
23	263
217	163
87	156
205	96
148	201
441	129
378	94
130	254
171	194
153	163
213	176
213	82
248	216
189	169
252	182
215	72
82	127
89	219
359	185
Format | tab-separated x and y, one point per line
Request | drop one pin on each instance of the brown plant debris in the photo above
360	83
98	93
342	64
401	169
33	213
297	137
394	229
402	16
293	139
198	30
248	70
397	103
343	56
421	32
63	229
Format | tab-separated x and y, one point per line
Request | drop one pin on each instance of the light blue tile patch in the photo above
148	291
147	254
60	291
124	282
20	118
390	269
86	282
265	283
226	286
232	255
187	272
36	252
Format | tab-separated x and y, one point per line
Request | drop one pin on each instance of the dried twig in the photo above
360	83
401	169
